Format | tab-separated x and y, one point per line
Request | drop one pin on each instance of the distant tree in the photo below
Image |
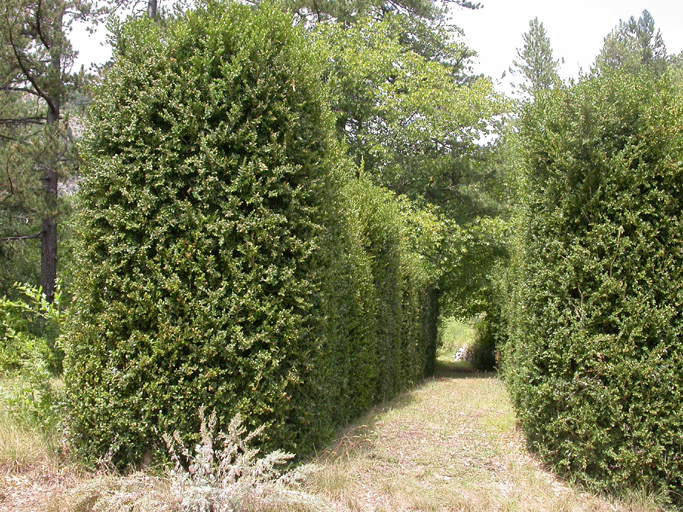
412	114
633	45
36	80
676	69
414	122
20	191
348	11
37	156
536	64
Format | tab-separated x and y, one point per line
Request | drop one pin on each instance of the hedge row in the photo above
595	358
228	255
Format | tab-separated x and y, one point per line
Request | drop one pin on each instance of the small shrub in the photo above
222	474
31	359
220	480
30	329
29	435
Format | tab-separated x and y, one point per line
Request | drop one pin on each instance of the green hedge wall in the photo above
595	359
228	257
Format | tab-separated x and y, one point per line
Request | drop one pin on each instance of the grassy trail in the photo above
449	445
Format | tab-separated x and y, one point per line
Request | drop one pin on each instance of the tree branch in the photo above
24	120
18	238
27	73
39	28
11	183
20	89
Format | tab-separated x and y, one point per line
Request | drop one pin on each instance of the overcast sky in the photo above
576	29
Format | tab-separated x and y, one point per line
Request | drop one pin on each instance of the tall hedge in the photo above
224	260
595	360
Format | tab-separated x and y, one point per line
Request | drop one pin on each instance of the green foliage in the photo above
403	109
15	347
382	307
26	147
20	193
595	360
412	116
228	258
36	150
490	336
482	281
536	64
348	11
633	46
30	329
31	355
474	251
454	334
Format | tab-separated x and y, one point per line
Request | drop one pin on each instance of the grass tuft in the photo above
21	447
223	474
25	443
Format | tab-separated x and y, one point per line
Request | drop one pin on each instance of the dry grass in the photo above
30	468
450	445
142	492
22	446
138	492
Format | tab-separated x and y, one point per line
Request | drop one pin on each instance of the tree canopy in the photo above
348	11
634	45
536	64
410	120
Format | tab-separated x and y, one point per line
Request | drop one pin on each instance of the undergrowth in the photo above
223	473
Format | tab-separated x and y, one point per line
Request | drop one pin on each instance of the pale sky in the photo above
576	29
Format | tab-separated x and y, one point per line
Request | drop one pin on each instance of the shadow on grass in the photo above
359	435
446	369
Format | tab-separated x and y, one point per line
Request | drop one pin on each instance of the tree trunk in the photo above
48	246
430	326
48	256
152	8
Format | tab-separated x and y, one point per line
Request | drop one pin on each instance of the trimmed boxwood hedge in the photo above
595	358
229	258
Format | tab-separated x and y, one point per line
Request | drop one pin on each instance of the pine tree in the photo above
36	81
633	45
537	66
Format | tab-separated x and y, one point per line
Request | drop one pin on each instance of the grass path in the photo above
449	445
